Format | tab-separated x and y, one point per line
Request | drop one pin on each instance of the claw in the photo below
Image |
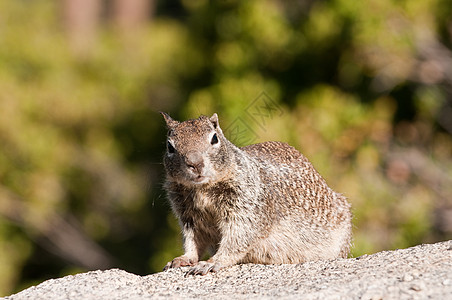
168	265
181	261
203	268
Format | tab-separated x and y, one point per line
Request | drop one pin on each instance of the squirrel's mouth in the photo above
199	179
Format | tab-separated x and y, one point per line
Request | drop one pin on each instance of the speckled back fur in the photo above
263	203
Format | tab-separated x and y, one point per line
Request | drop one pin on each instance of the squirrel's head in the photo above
196	151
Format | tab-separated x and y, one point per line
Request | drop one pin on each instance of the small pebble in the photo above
408	277
415	287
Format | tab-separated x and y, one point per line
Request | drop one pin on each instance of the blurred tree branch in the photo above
59	235
130	15
81	19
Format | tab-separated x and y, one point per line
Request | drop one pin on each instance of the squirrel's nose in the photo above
194	161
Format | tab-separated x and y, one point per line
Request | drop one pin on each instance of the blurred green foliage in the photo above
363	89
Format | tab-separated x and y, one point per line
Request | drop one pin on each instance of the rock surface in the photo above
420	272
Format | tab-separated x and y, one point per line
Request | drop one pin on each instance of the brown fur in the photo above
263	203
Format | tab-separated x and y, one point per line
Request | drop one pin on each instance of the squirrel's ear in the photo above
214	120
169	121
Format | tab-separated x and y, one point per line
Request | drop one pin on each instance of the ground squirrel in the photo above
263	203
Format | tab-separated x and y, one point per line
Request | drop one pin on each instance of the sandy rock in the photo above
419	272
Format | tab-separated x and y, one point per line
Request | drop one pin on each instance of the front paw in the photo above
204	267
181	261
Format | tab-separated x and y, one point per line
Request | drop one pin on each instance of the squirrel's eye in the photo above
214	139
170	147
